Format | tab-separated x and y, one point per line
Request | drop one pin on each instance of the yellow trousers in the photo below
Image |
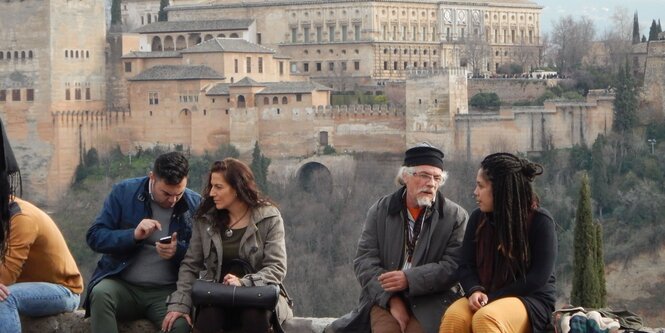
505	315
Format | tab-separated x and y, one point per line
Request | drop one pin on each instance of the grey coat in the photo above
432	279
262	246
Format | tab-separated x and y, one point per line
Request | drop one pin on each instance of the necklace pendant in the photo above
228	233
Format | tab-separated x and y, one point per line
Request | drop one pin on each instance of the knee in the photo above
102	293
455	320
485	319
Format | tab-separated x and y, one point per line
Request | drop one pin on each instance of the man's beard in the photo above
424	200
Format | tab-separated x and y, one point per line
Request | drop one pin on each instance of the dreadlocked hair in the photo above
514	202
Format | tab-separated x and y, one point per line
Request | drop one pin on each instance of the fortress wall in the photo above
509	90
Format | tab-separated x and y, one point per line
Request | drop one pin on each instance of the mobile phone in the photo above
165	240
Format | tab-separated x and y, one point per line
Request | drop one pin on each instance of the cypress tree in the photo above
599	175
625	101
636	29
116	18
600	266
653	31
585	290
259	167
162	13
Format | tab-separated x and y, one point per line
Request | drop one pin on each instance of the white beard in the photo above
424	201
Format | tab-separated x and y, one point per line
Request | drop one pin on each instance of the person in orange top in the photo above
38	275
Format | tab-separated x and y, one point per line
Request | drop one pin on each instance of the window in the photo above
249	64
3	95
266	100
77	94
235	65
275	100
305	67
153	98
16	94
68	95
285	100
323	138
87	93
30	95
356	31
298	97
128	67
385	65
294	31
305	31
260	64
318	34
318	66
344	32
356	65
66	53
281	68
395	65
343	63
331	66
331	33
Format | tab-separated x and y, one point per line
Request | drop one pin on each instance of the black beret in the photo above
424	154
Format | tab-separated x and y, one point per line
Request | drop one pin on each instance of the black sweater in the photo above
537	291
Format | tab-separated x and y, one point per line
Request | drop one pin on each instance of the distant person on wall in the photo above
234	221
38	275
508	256
408	251
139	266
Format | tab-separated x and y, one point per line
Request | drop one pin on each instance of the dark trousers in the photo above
246	320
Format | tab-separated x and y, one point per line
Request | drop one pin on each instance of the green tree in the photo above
115	12
259	167
625	101
600	267
585	290
636	29
599	175
162	13
653	31
485	100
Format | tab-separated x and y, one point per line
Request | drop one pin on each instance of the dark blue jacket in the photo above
112	232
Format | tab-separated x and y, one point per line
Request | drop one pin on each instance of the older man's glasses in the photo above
426	177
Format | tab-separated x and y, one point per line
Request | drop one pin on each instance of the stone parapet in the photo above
75	323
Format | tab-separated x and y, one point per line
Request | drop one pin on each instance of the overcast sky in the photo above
600	11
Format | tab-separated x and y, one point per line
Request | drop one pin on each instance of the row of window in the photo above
75	54
406	51
248	65
153	99
406	64
181	43
17	95
405	33
77	94
332	65
331	51
318	33
16	55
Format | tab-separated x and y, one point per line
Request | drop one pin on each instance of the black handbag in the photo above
212	293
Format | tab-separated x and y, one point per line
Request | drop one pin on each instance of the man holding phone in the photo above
143	232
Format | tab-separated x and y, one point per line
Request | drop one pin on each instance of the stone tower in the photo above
51	86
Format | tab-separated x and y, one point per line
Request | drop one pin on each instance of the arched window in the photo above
87	54
275	100
2	55
285	100
168	43
30	54
15	55
180	43
76	54
221	36
156	44
233	35
66	53
149	18
266	100
9	55
241	101
22	54
208	37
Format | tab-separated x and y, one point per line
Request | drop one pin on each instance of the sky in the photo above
601	11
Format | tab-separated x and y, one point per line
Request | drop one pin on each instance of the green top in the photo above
230	251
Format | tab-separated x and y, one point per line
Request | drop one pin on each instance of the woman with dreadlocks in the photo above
508	254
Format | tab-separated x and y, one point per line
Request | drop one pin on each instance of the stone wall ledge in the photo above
75	323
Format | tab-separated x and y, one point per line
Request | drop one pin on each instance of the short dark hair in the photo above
171	167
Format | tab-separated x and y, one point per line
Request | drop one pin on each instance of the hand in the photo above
399	312
4	292
167	251
145	228
170	318
393	281
477	300
231	280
